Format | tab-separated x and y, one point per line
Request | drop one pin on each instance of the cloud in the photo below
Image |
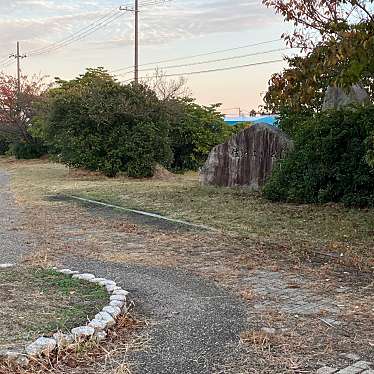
47	21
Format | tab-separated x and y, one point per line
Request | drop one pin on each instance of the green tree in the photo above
337	37
17	112
194	131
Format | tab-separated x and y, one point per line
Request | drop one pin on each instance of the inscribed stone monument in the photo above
247	159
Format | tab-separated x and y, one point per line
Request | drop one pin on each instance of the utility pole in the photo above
136	41
136	13
18	56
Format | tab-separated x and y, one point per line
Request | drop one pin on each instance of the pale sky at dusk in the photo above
175	29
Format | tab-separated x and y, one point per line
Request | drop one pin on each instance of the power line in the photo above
148	3
76	36
211	70
9	63
201	54
100	23
3	61
46	49
216	60
77	32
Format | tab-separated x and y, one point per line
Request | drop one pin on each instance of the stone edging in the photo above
95	329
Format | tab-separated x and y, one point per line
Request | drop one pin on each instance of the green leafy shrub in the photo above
329	161
96	123
4	146
195	130
370	152
27	151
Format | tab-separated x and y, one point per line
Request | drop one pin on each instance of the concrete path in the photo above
13	243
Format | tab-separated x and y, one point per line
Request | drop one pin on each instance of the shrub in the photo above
329	161
4	146
27	151
96	123
195	130
17	111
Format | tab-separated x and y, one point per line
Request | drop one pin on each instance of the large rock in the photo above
337	97
247	159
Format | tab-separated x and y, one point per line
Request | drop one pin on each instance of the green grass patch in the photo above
37	301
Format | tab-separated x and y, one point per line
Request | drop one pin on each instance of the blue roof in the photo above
270	120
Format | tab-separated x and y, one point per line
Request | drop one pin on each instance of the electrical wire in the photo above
89	29
148	3
4	60
6	65
201	54
211	70
77	36
212	61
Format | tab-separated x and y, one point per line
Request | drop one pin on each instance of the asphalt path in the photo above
195	325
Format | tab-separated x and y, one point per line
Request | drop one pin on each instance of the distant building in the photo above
269	119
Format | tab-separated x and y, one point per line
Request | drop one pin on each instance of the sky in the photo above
171	30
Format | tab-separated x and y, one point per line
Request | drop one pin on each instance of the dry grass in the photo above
247	294
317	242
91	357
347	234
299	344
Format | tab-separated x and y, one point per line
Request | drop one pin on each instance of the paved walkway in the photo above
356	367
195	324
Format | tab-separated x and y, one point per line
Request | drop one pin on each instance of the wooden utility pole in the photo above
18	70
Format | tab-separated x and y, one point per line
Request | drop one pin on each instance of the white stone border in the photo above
94	329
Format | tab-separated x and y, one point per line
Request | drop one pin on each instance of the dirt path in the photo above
13	242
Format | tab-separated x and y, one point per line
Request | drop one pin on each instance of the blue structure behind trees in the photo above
268	119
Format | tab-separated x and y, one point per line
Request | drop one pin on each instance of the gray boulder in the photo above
247	159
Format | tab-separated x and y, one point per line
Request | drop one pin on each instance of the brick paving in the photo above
358	367
288	294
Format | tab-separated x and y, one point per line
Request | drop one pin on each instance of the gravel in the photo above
13	243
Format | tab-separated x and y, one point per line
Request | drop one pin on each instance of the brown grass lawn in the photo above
330	229
328	246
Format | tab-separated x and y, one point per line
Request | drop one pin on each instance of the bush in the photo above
195	130
329	161
4	146
27	151
96	123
